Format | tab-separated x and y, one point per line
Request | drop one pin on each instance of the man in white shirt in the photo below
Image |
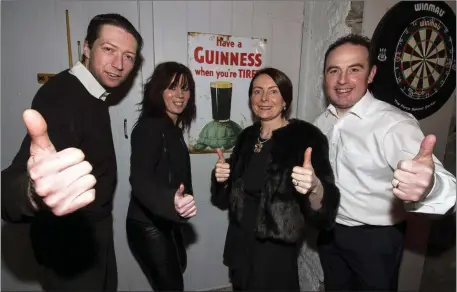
383	166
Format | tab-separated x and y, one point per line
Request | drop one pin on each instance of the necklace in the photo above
259	145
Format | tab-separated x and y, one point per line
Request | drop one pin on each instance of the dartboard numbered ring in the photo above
414	47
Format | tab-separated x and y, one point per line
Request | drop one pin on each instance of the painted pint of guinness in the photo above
221	99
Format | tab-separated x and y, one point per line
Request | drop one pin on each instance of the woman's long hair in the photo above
167	76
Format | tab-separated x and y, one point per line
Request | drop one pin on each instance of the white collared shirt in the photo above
366	145
88	81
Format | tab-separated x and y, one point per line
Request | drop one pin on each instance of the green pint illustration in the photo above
221	132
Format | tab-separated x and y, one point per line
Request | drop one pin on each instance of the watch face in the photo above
414	47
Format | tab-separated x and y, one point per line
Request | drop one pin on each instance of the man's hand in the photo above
306	181
414	179
184	203
62	179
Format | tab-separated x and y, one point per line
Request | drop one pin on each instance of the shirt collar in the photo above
331	110
359	109
88	81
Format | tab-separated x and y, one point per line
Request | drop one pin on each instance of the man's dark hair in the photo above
167	76
95	25
282	81
353	39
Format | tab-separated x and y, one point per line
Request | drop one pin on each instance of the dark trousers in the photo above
361	258
259	265
160	253
75	255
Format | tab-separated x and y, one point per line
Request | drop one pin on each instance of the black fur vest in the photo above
283	212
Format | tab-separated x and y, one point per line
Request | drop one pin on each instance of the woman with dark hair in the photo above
162	197
274	187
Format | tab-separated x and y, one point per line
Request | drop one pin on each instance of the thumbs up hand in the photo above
413	179
306	181
62	179
184	203
222	168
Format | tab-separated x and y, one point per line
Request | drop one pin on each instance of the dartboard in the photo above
414	47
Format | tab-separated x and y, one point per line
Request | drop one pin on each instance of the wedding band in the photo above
295	182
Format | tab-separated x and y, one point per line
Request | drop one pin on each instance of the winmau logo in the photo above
429	7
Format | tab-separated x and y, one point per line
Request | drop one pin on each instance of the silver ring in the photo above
295	182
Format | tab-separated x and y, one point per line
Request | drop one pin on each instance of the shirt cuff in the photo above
434	191
427	204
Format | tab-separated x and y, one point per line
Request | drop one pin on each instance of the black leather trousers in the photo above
160	252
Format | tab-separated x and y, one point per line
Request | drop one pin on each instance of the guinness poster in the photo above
223	67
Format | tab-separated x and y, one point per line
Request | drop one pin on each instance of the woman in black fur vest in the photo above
277	182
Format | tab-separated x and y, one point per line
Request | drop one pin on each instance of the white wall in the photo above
324	23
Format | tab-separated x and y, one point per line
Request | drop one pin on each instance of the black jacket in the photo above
69	244
77	119
283	212
159	163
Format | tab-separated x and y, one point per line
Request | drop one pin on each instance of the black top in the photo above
159	163
77	119
259	264
283	213
254	176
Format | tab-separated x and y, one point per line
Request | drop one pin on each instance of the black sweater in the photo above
159	163
77	119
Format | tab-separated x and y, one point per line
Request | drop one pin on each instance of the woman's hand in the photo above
306	181
185	203
222	168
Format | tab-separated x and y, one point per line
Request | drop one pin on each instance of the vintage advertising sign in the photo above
414	49
223	67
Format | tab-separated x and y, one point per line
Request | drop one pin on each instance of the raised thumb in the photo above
307	160
38	131
180	190
426	148
220	155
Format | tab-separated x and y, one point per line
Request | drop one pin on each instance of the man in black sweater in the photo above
63	178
